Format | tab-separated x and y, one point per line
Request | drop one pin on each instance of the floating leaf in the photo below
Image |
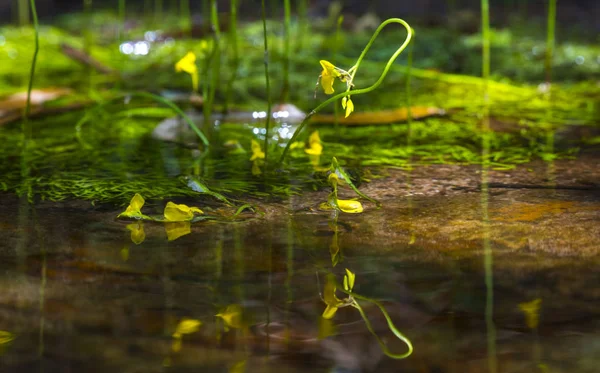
177	229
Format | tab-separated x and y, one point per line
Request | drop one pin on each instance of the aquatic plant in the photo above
333	303
267	81
333	202
331	72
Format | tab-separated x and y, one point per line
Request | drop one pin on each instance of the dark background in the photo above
583	14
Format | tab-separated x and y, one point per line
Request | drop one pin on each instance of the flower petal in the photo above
329	312
134	208
350	206
257	152
349	279
187	326
175	212
137	232
349	106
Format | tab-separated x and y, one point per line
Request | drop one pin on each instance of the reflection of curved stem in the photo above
391	325
354	69
151	96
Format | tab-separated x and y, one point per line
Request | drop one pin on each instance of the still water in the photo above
514	292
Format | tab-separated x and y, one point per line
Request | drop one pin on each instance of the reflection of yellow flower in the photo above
314	144
137	232
134	208
331	300
349	278
232	316
5	337
532	312
185	326
257	152
348	105
328	75
175	212
188	65
177	229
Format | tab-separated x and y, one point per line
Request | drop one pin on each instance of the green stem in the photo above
26	127
184	12
268	87
286	53
336	45
409	63
550	38
355	68
23	13
485	27
235	60
87	39
176	109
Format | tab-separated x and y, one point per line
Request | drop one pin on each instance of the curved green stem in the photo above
151	96
354	69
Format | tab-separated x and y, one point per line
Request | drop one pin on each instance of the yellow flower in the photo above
177	229
175	212
232	316
328	75
188	65
314	144
350	206
532	312
348	105
257	152
137	232
134	208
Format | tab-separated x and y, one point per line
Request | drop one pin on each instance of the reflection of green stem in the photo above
487	249
151	96
355	68
550	38
42	292
235	60
268	87
286	53
390	324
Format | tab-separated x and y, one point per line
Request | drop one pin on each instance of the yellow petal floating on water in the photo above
177	229
175	212
134	208
328	76
5	337
532	312
350	206
137	232
232	316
